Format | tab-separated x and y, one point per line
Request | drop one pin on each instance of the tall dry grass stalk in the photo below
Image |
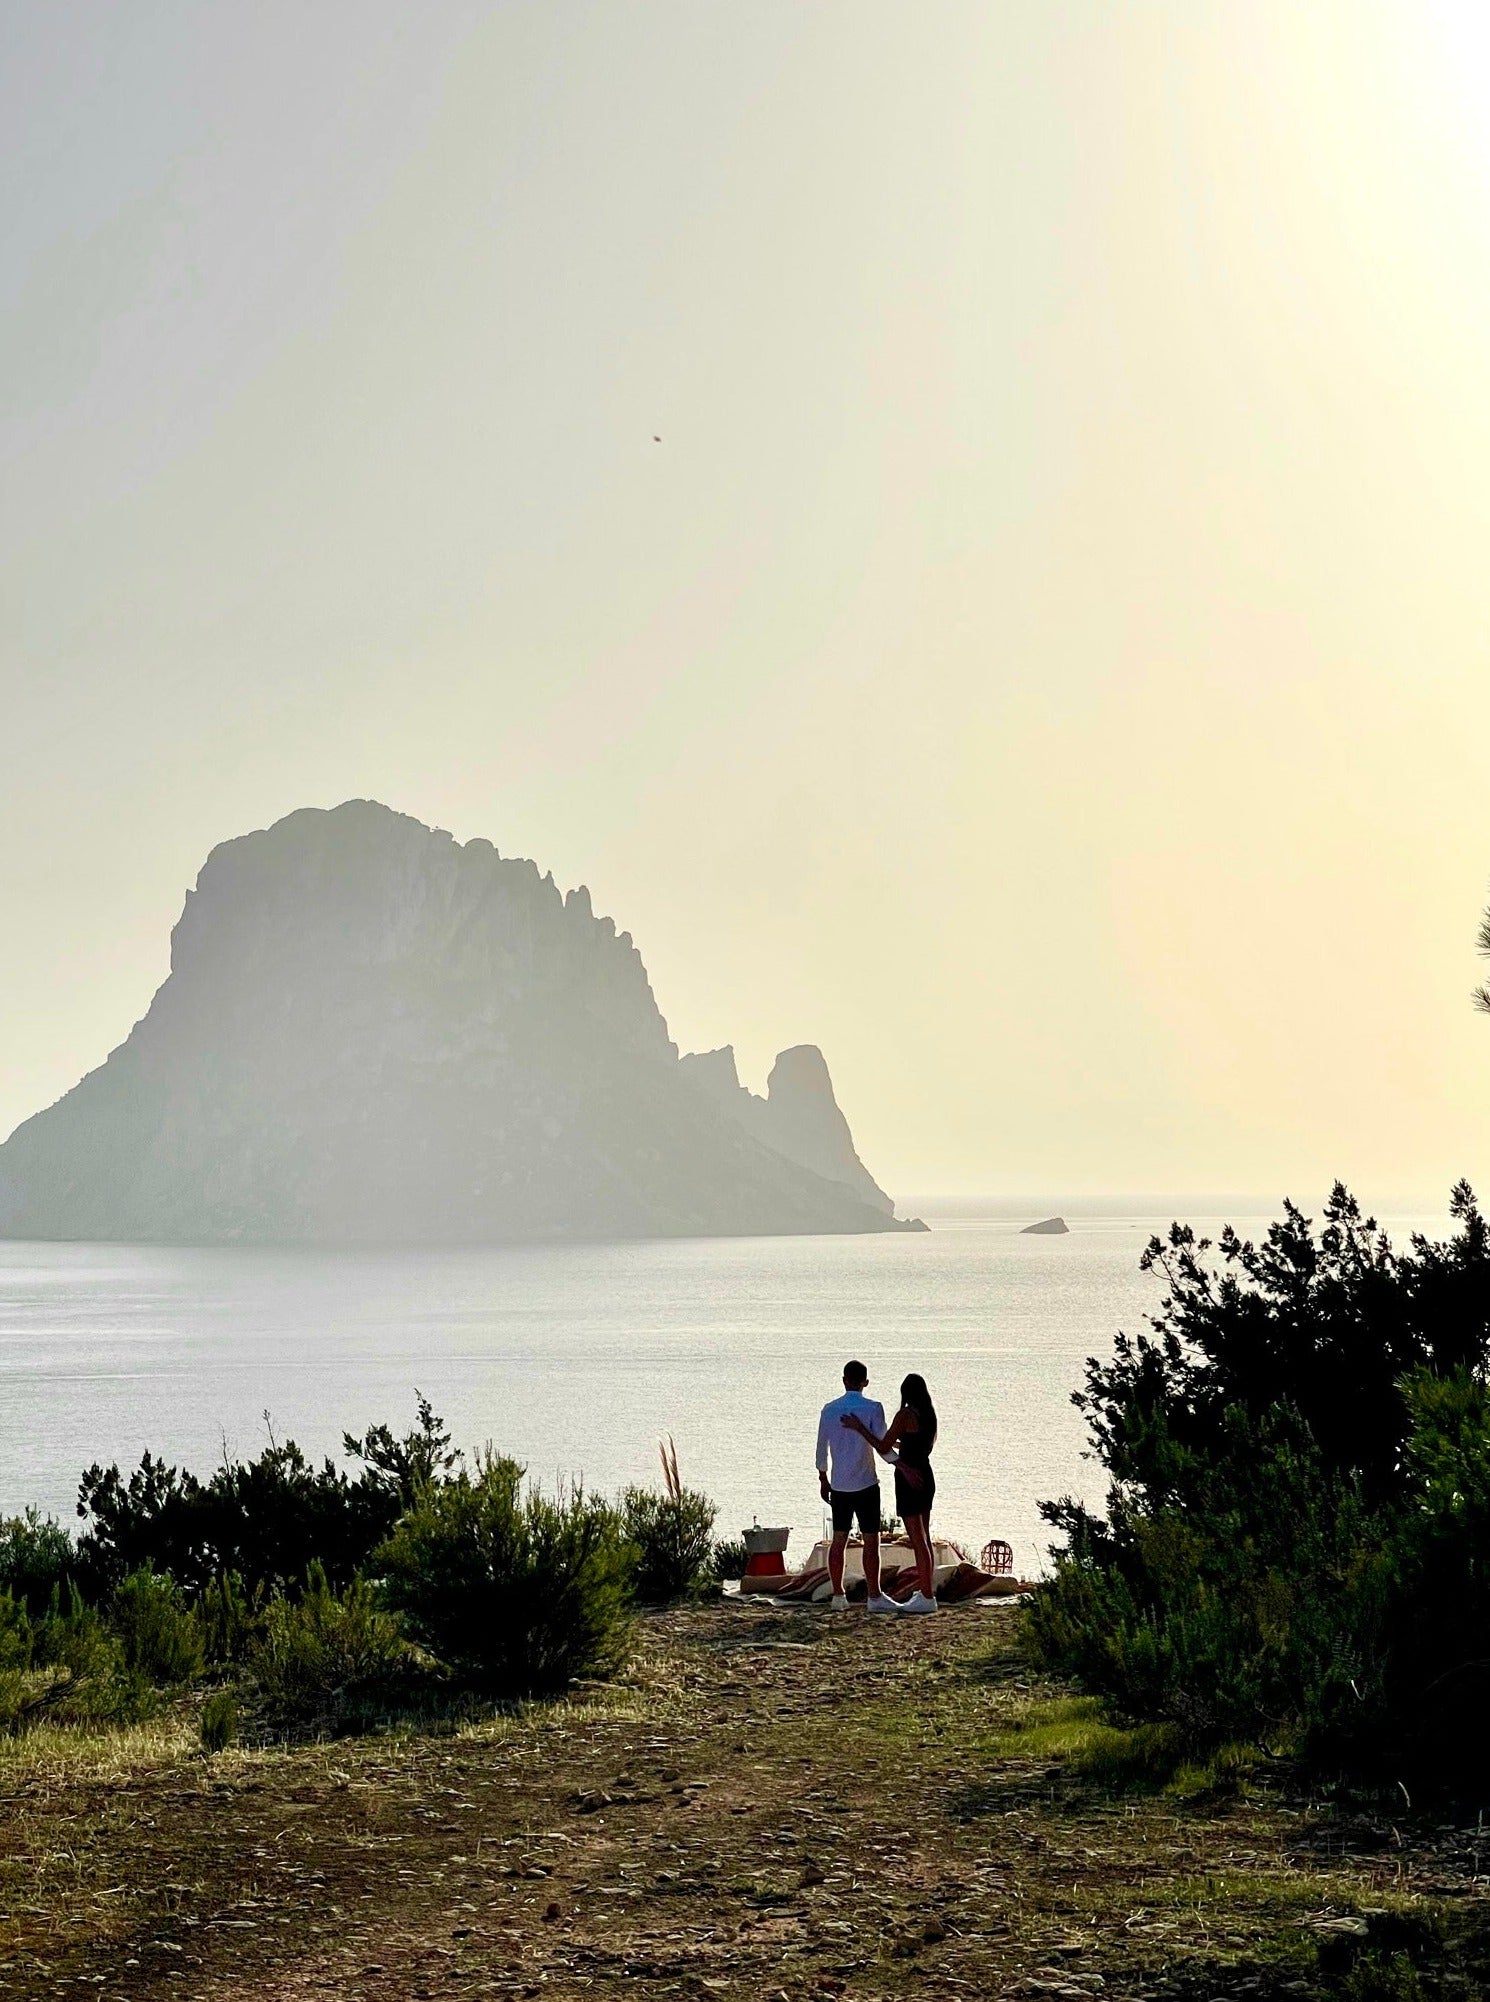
670	1476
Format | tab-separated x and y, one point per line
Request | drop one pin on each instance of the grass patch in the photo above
1076	1731
1230	1769
54	1753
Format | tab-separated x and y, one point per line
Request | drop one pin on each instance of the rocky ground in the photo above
782	1804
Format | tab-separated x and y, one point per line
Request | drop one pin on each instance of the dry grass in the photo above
59	1754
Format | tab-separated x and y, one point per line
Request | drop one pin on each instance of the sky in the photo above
966	526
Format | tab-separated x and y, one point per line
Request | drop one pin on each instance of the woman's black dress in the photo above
913	1498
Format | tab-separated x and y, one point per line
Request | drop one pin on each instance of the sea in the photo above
581	1359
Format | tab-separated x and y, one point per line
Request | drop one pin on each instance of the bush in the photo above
228	1618
1421	1708
671	1536
73	1639
219	1725
326	1655
267	1520
65	1665
401	1469
1296	1544
516	1593
160	1640
1327	1330
1255	1598
730	1558
36	1559
17	1685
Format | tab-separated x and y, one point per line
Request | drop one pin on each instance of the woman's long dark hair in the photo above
913	1392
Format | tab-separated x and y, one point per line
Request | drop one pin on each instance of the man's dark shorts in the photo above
861	1502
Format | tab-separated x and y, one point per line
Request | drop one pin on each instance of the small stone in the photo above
550	1913
932	1931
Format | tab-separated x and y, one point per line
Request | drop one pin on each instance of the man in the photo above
854	1491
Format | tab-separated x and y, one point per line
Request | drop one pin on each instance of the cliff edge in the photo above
799	1116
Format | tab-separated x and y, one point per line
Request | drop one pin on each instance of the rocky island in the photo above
374	1034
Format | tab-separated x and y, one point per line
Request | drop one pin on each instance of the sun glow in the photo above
1456	47
967	531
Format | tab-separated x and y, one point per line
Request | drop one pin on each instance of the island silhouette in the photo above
374	1034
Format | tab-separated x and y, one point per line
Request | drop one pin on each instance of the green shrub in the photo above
321	1658
730	1558
266	1519
1253	1608
229	1619
1428	1955
402	1469
72	1637
160	1640
16	1633
672	1536
36	1559
1296	1543
515	1592
18	1687
219	1725
1423	1694
66	1665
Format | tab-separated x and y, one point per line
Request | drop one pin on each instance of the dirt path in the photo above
788	1804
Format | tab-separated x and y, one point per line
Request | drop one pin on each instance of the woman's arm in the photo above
884	1447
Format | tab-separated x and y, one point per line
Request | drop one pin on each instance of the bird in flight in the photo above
655	439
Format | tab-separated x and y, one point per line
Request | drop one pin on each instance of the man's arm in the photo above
822	1456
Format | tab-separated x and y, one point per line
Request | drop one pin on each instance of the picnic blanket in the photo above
954	1577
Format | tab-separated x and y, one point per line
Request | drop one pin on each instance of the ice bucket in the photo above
765	1567
763	1542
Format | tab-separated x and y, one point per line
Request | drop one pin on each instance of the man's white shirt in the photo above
848	1452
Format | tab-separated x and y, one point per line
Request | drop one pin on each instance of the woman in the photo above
907	1445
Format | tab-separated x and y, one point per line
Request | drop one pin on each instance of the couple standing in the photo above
850	1432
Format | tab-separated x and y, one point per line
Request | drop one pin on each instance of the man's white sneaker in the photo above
919	1603
839	1603
880	1604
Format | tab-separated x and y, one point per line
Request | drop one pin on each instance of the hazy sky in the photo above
1046	660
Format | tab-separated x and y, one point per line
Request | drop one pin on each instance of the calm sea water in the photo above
578	1358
